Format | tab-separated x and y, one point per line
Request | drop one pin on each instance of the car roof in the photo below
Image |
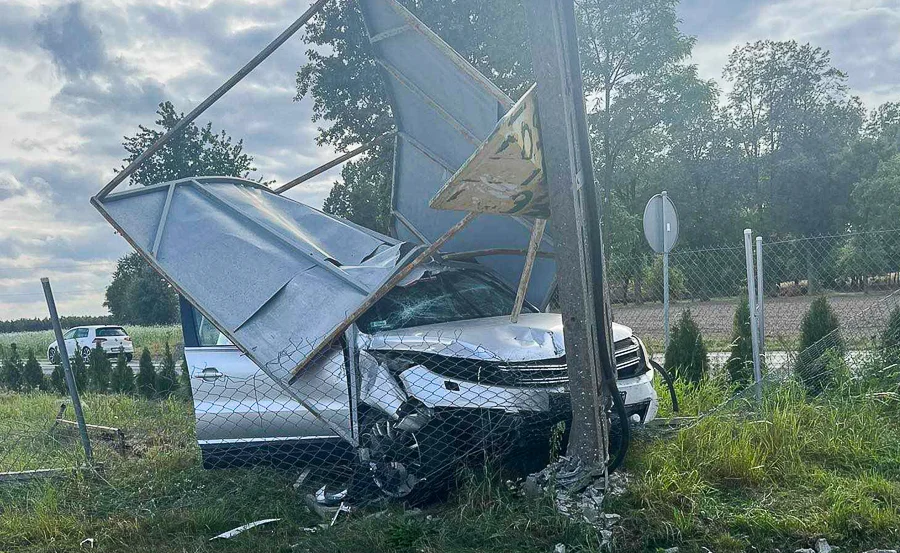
94	327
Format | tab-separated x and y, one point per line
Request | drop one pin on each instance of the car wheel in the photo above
411	466
52	356
129	357
86	353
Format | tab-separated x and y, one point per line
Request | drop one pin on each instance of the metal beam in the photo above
432	103
219	92
533	245
333	163
386	287
409	226
389	33
427	151
162	220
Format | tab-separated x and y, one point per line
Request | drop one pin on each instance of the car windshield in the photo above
113	331
442	297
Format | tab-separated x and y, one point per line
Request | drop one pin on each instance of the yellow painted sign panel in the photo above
505	174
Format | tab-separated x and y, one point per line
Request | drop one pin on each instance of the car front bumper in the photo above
437	391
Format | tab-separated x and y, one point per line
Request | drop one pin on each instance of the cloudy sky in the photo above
77	77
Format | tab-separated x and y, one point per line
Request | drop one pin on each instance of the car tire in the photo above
52	356
129	357
382	475
86	354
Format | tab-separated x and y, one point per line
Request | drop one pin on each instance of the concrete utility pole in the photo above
575	220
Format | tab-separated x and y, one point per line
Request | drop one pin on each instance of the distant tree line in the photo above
28	325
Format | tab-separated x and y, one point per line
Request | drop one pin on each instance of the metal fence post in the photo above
760	301
70	378
751	296
662	217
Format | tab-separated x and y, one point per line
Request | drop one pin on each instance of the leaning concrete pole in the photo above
575	222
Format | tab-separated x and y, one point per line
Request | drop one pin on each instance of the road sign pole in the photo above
70	379
662	231
575	220
751	296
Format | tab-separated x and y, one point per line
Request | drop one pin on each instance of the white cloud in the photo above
861	35
78	76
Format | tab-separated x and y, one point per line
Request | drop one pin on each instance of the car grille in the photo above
541	373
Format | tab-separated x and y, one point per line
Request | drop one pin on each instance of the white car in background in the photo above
82	339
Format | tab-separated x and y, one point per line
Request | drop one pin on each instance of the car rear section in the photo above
114	340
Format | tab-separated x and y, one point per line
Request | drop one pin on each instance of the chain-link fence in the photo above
434	380
853	271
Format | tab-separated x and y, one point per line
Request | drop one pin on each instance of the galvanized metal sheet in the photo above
272	274
444	109
505	175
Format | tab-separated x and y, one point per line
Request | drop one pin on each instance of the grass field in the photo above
797	469
152	337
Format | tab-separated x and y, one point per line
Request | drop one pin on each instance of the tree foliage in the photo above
686	355
11	369
819	335
167	379
32	375
146	377
137	294
99	370
740	362
122	379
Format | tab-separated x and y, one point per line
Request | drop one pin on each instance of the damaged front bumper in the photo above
437	391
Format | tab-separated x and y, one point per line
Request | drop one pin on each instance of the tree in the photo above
820	338
792	113
11	370
137	294
167	379
347	90
79	372
184	384
195	152
890	339
740	363
58	380
32	375
146	377
877	198
686	354
99	370
122	379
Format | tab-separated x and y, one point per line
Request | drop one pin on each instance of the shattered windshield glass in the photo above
441	297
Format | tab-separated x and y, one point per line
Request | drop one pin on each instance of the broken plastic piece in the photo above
240	529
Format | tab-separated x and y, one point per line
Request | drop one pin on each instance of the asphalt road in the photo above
48	368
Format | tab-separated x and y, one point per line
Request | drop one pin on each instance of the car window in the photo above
81	333
447	296
70	334
207	333
111	331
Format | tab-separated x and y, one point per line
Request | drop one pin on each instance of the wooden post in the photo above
537	234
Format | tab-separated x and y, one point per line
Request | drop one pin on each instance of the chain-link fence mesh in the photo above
430	383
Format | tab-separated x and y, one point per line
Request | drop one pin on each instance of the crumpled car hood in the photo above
536	336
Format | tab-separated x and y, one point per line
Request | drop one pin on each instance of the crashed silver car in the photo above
436	357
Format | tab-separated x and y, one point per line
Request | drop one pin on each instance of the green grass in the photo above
796	469
153	337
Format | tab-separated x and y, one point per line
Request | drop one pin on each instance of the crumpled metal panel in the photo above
506	174
272	274
444	109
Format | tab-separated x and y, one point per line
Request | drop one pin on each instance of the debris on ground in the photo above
559	548
240	529
671	550
822	546
578	491
87	542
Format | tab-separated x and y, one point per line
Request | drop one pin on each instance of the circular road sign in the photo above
661	223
